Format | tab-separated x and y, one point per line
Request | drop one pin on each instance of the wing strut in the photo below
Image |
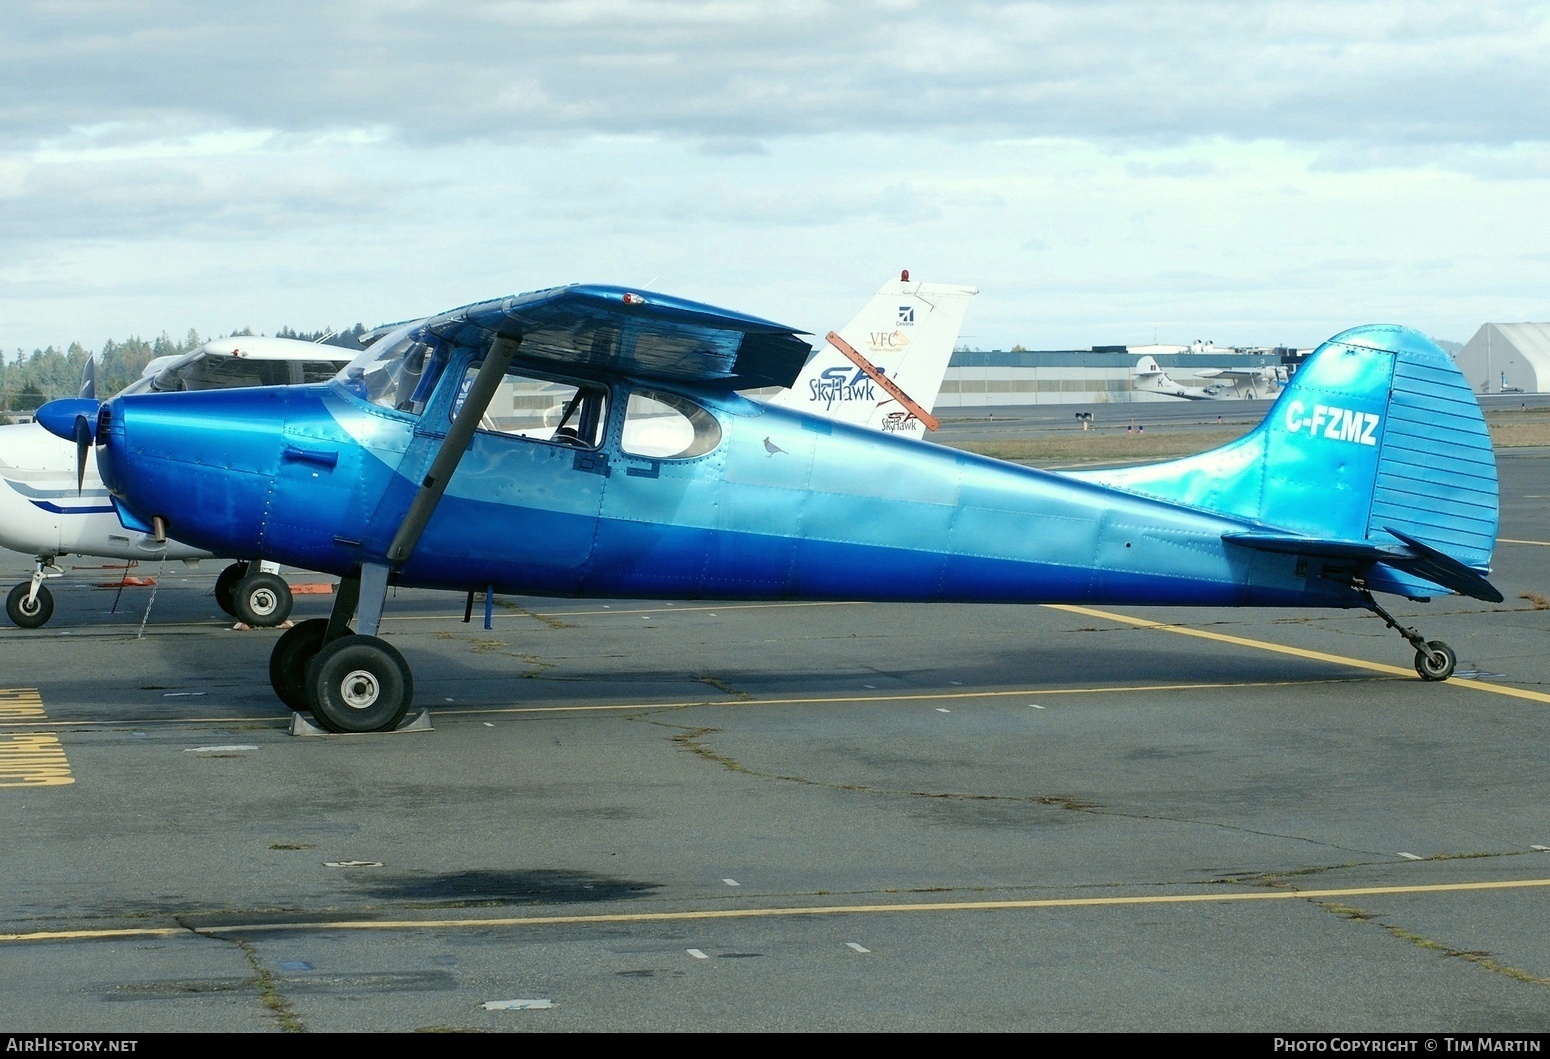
374	576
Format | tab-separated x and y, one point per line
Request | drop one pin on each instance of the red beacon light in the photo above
633	299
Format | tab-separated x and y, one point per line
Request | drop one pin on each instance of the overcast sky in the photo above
1249	173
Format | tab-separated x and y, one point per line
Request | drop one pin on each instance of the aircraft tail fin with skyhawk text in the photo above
907	332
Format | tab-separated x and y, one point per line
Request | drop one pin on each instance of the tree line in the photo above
29	380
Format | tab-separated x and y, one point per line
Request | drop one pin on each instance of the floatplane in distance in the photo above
590	441
51	505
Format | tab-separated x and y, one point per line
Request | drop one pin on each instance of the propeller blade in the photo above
89	378
83	440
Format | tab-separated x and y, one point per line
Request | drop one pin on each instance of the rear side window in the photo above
665	426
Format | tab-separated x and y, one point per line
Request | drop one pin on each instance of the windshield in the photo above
398	372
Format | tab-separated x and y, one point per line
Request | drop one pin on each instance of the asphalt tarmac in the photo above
652	817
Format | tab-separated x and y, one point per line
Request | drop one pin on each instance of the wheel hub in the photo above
263	602
359	689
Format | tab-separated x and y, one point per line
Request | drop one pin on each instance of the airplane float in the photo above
50	507
909	326
589	441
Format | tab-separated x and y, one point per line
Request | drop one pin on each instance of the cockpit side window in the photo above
666	426
564	412
399	372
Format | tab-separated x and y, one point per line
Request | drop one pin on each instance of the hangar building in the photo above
1507	358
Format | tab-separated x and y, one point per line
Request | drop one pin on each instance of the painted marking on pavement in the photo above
772	913
1265	645
29	759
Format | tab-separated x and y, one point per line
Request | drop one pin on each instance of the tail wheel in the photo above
1435	663
226	587
288	662
29	613
262	600
360	684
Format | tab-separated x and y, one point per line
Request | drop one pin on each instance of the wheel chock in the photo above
301	724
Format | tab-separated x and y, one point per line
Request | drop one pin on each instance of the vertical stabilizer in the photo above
908	331
1377	443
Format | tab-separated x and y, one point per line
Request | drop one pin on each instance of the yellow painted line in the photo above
931	696
33	759
20	703
29	759
771	913
809	700
1264	645
1509	540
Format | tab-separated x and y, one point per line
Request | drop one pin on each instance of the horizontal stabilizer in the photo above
1447	571
1411	556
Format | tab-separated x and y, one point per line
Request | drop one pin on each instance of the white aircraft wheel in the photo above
29	614
262	600
288	662
360	684
1439	667
226	587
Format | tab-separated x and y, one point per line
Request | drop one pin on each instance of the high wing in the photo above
637	333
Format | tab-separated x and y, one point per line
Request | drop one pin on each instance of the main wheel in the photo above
262	600
1438	668
226	587
288	662
29	614
360	684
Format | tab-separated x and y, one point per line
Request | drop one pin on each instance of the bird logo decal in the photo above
771	448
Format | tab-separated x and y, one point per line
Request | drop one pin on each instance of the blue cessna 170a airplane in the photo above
590	441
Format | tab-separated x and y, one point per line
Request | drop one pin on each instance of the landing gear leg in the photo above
1434	660
30	604
350	681
357	682
295	650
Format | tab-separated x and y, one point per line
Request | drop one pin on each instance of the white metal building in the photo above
1507	358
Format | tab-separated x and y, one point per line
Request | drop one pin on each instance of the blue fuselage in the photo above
786	506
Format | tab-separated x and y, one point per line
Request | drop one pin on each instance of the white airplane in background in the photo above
1246	383
1234	384
47	511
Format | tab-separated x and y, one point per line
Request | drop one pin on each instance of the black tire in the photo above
288	662
360	684
1440	669
226	587
262	600
29	615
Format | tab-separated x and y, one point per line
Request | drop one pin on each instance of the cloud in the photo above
722	72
